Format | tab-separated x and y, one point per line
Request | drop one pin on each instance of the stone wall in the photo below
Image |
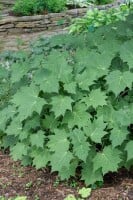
29	24
49	22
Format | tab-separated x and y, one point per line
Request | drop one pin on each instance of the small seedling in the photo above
29	185
56	182
70	197
84	192
37	198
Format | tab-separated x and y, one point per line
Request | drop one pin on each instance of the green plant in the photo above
96	18
30	7
70	197
56	5
25	7
16	198
70	103
29	185
83	193
56	182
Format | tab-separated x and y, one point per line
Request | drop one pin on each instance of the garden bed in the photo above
48	22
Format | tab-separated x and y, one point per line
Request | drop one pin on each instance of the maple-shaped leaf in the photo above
58	142
86	79
99	62
117	81
66	173
32	123
37	139
88	174
109	115
79	116
70	87
9	141
23	69
129	149
50	122
60	104
80	144
23	135
123	116
46	80
18	150
95	98
28	101
61	159
118	135
40	158
111	50
95	129
14	128
108	160
59	67
126	52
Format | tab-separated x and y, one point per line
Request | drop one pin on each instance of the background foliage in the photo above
95	18
30	7
68	103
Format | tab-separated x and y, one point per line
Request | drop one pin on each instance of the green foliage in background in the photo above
68	103
31	7
96	18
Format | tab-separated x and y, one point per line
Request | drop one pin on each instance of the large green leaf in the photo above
118	135
86	79
27	101
118	81
23	69
47	81
58	142
50	122
95	130
18	150
40	158
78	117
88	174
108	160
95	98
80	144
37	139
60	104
59	67
61	159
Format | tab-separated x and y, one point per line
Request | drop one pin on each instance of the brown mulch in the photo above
42	185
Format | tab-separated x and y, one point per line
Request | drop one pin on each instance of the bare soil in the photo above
42	185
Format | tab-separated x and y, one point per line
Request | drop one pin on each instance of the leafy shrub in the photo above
24	7
56	5
96	18
71	103
30	7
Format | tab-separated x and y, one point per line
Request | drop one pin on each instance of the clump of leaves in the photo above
71	103
83	194
96	18
31	7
